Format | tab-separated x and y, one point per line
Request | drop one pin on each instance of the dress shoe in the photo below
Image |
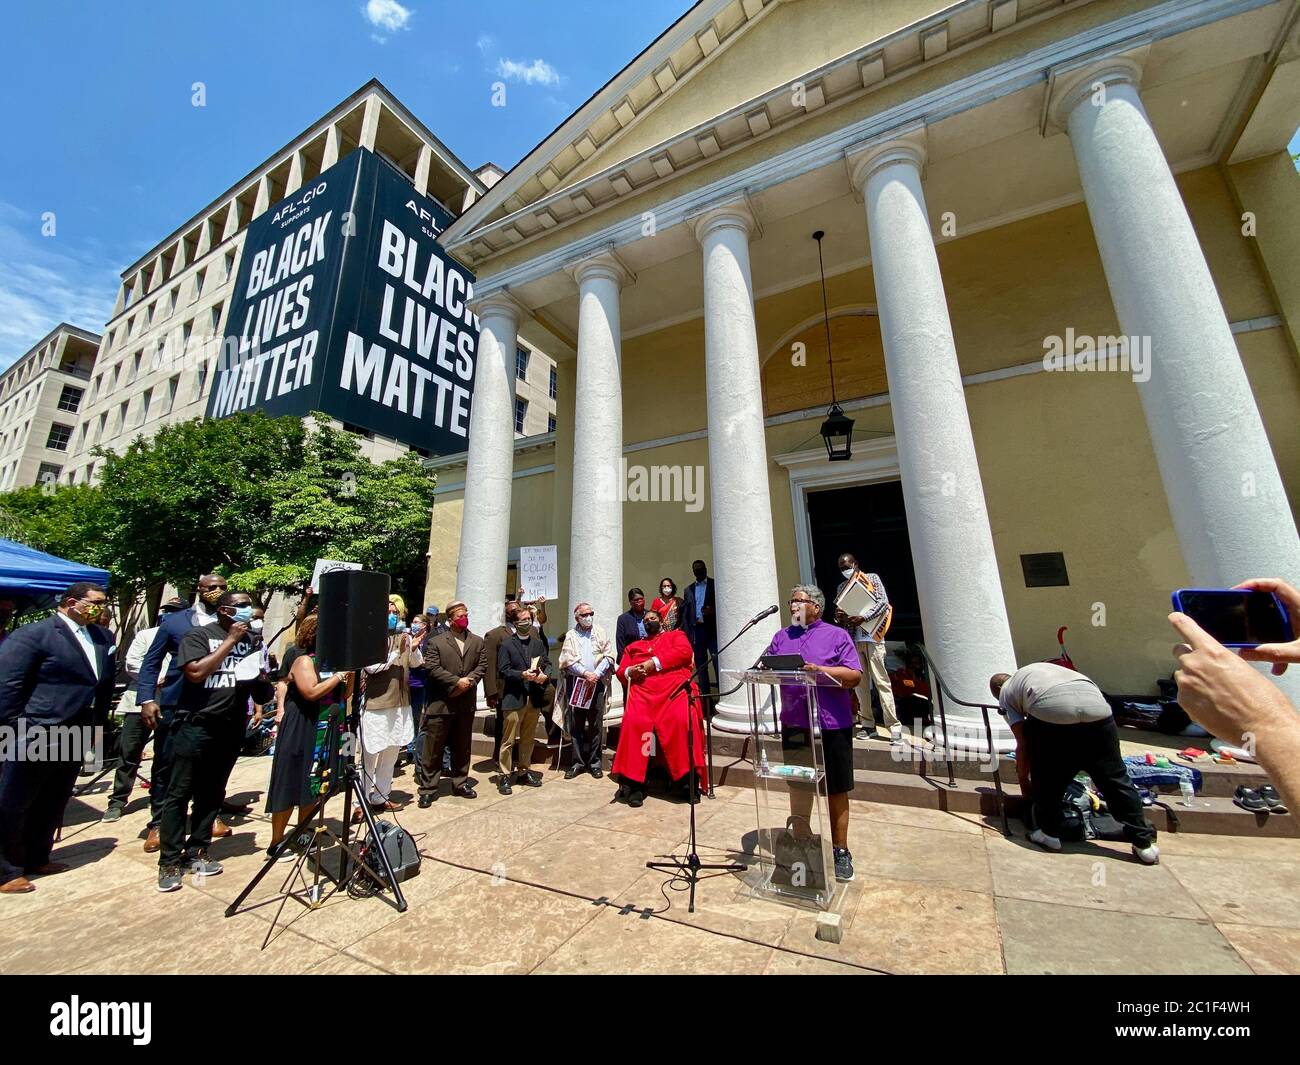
426	801
19	885
220	830
529	778
573	771
503	786
464	791
596	772
152	844
49	869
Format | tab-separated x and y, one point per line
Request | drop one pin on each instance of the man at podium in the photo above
828	652
654	717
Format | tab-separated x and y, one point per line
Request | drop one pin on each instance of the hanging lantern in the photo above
837	433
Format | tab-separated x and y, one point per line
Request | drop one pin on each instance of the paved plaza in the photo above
508	883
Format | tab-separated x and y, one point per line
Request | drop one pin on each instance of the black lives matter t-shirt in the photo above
219	695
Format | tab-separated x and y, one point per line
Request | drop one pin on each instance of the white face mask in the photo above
848	573
584	623
798	615
255	624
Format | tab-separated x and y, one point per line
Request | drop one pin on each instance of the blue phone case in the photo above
1281	606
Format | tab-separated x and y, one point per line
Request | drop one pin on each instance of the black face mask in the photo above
652	628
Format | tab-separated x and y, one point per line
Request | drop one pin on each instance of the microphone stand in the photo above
690	866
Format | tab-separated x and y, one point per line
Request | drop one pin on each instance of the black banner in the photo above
345	303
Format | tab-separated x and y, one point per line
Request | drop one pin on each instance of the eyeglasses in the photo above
796	602
588	614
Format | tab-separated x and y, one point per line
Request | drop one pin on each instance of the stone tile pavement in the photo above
507	887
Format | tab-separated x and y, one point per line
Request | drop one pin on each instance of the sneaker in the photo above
201	865
286	853
862	733
113	813
895	735
169	878
1148	855
843	864
1048	843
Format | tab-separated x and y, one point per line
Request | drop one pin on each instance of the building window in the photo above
550	423
144	406
48	473
521	364
173	386
198	284
230	264
202	381
521	412
70	398
365	434
59	437
553	382
216	318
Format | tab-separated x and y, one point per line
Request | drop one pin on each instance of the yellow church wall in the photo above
1269	188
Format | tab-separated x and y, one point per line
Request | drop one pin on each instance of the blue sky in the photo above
101	130
104	136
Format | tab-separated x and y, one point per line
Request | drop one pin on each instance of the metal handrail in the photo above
942	689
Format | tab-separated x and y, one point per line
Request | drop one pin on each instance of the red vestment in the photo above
652	709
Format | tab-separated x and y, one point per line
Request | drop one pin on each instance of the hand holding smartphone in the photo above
1243	617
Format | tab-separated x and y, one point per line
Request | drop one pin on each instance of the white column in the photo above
423	162
370	123
963	613
330	154
294	183
485	520
1221	479
744	558
596	536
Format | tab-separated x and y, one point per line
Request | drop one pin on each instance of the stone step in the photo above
880	776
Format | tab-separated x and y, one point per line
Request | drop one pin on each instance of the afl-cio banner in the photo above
345	303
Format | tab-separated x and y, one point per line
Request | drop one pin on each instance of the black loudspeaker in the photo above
352	630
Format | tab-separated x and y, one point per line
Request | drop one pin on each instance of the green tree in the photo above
257	499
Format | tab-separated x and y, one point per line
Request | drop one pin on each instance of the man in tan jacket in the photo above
454	661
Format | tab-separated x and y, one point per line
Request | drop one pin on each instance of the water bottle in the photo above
1187	791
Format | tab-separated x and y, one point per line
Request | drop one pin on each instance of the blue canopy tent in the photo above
36	578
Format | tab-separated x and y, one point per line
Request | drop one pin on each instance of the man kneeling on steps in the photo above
1063	725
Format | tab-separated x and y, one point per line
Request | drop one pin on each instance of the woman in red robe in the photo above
654	719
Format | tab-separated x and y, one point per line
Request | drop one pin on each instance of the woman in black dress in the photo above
306	697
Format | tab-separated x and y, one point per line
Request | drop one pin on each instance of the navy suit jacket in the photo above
626	631
166	642
709	628
45	677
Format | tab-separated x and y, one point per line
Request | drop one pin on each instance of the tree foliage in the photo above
257	499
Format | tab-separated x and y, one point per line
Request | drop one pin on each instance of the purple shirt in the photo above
824	645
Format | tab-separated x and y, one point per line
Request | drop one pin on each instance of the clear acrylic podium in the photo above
792	859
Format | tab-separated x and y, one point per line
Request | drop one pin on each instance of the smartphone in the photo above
1236	617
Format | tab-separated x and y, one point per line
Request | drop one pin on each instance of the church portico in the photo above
990	207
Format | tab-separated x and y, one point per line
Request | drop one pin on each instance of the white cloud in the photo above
537	72
386	15
485	43
44	281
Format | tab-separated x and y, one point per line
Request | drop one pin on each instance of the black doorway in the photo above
869	521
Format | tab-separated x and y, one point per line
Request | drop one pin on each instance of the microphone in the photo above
763	614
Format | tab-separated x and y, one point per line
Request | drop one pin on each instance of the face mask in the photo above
243	614
584	623
91	611
666	592
798	615
460	624
652	628
392	622
211	596
523	627
256	624
417	628
847	573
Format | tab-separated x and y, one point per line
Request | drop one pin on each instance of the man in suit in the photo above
630	626
158	709
701	620
454	661
525	691
54	674
492	679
